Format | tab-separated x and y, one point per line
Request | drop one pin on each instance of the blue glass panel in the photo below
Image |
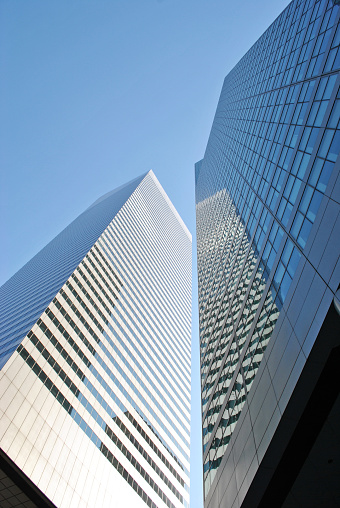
304	233
295	191
285	285
334	148
335	115
325	176
314	206
293	262
279	274
307	196
325	143
287	252
297	225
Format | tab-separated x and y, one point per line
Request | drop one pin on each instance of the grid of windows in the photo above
270	156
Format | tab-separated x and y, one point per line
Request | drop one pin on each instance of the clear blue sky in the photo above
96	92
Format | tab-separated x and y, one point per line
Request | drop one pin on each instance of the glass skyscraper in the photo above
95	360
268	234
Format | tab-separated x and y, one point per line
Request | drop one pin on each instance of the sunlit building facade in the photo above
268	234
95	360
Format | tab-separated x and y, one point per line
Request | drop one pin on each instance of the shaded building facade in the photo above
268	234
95	360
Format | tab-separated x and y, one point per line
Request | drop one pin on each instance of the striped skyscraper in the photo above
95	360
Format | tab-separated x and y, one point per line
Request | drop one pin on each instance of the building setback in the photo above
95	360
268	237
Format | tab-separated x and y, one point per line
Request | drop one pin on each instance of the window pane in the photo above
304	233
334	148
315	173
285	284
314	206
279	274
325	176
287	252
321	113
334	119
325	144
295	191
297	225
294	261
307	196
303	165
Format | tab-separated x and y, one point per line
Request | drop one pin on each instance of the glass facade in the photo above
269	174
95	406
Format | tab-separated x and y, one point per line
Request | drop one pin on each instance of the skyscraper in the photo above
95	360
268	232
